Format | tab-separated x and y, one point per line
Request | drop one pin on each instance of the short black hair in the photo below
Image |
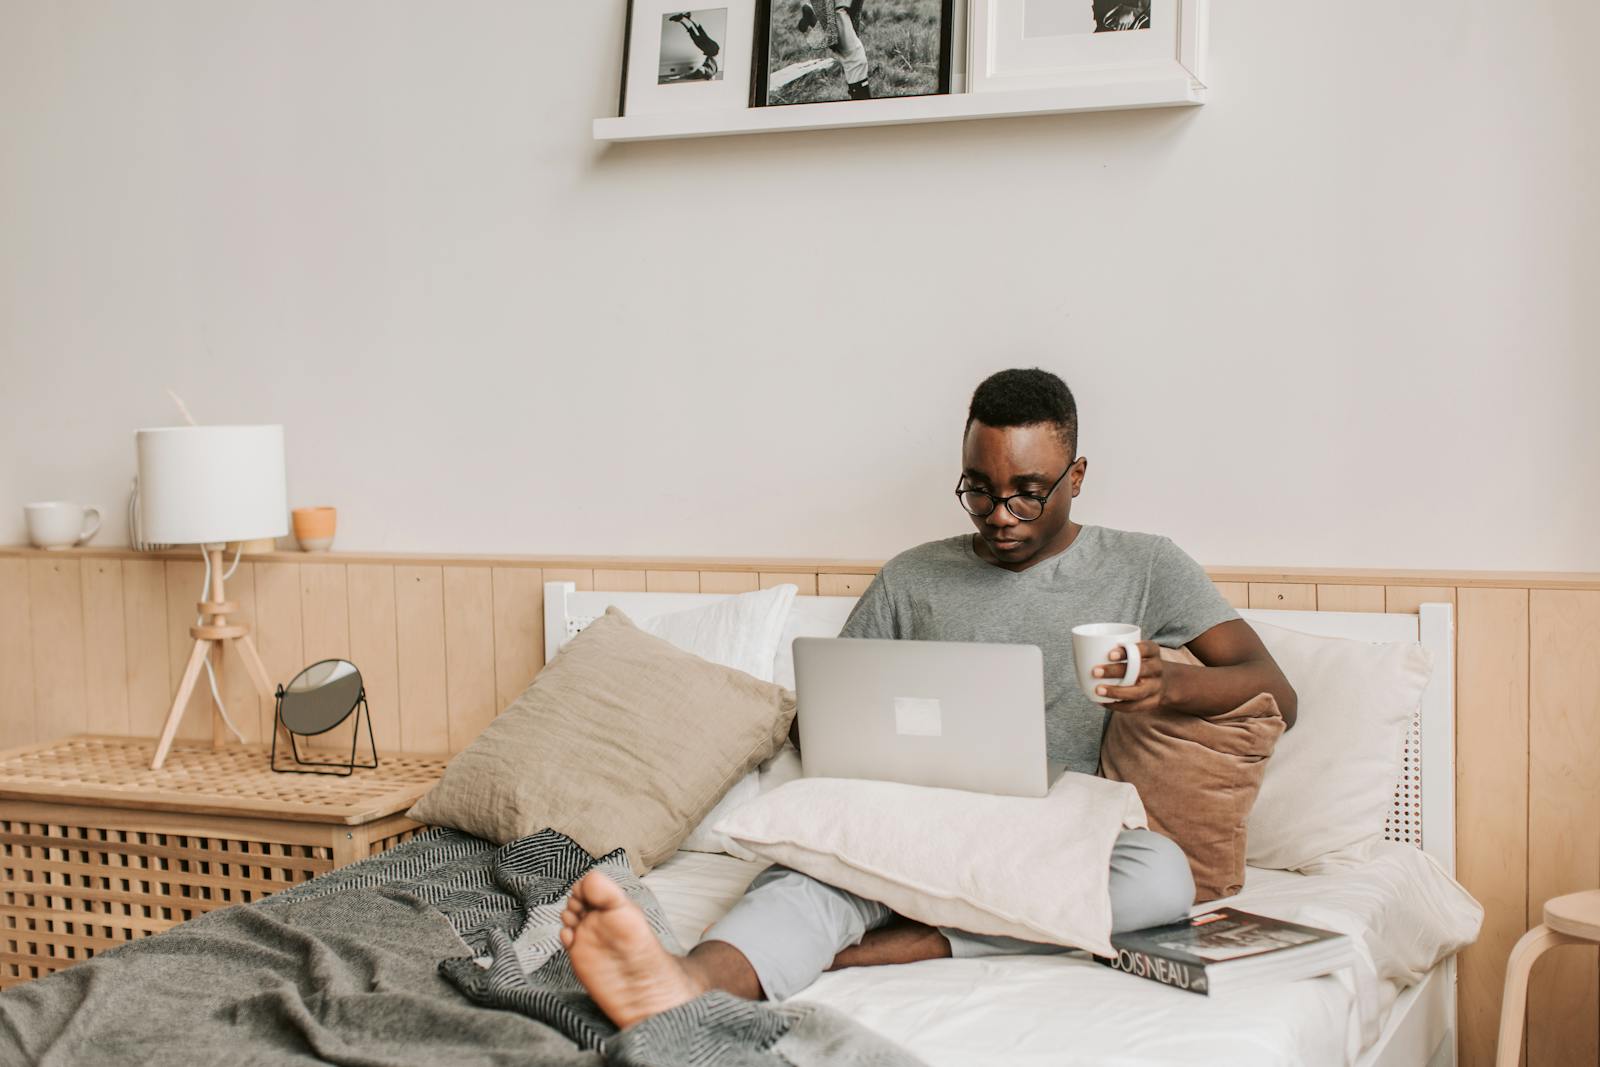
1024	398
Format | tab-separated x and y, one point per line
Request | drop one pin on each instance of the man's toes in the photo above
595	890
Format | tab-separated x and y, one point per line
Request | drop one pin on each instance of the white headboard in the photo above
1424	807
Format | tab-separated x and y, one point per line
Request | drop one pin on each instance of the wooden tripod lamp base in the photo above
211	635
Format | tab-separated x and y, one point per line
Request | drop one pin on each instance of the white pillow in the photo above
782	768
816	616
1038	869
1331	779
741	632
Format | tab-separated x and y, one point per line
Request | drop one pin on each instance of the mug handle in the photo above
91	531
1131	650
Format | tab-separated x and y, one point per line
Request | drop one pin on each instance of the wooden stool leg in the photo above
1514	1001
258	671
191	674
252	663
219	725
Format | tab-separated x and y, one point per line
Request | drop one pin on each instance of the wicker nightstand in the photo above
97	850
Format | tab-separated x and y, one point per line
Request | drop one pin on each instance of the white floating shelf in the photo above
1167	92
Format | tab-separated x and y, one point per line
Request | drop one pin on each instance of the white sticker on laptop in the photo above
917	717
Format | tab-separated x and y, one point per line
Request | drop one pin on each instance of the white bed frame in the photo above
1421	1028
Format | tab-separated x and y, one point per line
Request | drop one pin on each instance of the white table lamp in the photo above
204	485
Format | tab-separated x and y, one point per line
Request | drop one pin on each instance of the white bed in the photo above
1396	1008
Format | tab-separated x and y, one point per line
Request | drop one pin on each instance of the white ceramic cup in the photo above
1090	644
60	523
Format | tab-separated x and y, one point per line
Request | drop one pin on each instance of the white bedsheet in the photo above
1402	911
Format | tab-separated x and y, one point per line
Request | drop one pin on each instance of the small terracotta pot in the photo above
313	528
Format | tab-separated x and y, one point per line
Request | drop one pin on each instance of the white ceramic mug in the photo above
1090	644
60	523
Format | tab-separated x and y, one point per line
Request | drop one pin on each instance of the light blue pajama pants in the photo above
790	926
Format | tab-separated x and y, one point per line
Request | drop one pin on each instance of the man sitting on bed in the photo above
1028	576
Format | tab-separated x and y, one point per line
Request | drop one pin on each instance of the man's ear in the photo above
1077	476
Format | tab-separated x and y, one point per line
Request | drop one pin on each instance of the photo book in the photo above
1228	949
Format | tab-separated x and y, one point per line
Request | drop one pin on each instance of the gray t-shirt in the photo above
943	591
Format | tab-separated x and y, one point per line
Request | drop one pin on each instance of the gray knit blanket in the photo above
442	950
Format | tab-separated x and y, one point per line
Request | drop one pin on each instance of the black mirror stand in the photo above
339	770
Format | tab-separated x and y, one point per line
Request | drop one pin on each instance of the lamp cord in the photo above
205	594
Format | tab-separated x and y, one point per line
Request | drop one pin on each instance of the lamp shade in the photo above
209	484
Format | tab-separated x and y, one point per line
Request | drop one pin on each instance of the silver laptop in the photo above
939	713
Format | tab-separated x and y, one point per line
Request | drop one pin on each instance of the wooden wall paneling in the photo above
419	639
1237	594
843	584
325	634
805	582
105	653
1349	598
144	611
727	582
1491	798
672	581
55	598
1563	815
518	630
249	712
469	652
1404	599
373	636
324	611
1283	596
583	579
16	655
280	624
619	581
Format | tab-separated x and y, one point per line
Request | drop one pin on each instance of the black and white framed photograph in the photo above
816	51
691	41
680	59
1033	44
1058	18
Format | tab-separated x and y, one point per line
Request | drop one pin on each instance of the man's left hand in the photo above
1148	691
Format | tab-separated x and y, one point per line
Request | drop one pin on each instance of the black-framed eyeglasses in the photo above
1025	506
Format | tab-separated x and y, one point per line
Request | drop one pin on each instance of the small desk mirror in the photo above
318	700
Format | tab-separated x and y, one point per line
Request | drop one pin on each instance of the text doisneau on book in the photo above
1228	949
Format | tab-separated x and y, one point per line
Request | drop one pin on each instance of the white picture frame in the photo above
652	81
1005	55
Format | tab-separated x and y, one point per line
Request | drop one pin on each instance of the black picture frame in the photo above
627	47
628	58
761	57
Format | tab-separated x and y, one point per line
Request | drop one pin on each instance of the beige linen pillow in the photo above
1037	869
621	741
1331	779
1198	778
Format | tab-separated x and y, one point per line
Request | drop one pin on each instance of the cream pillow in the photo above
741	632
621	741
1330	781
1037	869
818	616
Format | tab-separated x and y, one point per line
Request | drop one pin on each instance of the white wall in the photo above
1345	314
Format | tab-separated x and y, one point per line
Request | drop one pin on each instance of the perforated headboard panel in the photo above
1404	822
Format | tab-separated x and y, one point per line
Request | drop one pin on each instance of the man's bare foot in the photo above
617	956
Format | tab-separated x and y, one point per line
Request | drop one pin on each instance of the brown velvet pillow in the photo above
1198	778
